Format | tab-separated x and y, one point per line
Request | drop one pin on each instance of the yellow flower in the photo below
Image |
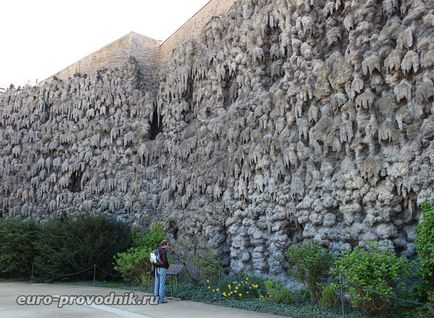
224	294
218	289
229	286
241	295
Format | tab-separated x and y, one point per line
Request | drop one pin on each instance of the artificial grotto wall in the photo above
286	120
75	145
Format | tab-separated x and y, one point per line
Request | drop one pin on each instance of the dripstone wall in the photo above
75	145
285	121
192	29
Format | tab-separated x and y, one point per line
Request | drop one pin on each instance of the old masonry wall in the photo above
285	120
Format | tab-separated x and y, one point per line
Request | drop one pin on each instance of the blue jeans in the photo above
160	282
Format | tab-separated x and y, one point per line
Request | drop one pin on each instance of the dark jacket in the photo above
163	258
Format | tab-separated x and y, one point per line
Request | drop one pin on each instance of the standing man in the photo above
161	271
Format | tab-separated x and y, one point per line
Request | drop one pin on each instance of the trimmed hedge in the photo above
61	246
71	245
18	247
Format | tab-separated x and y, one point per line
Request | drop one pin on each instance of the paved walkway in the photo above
10	292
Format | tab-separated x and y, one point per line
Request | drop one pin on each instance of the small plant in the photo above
133	264
373	277
310	263
278	293
329	298
210	268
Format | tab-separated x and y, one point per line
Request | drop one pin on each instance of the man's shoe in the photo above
163	302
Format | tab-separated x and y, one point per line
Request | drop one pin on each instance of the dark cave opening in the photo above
75	181
156	125
173	229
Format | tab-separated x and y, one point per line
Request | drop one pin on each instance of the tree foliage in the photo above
133	264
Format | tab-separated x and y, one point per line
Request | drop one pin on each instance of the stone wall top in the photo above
115	54
148	52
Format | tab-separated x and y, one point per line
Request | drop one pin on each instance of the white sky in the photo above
41	37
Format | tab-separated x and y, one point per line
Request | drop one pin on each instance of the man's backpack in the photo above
154	258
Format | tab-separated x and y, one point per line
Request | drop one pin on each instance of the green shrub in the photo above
71	245
151	239
279	294
310	263
329	298
425	250
133	264
430	304
201	265
373	277
17	248
210	268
